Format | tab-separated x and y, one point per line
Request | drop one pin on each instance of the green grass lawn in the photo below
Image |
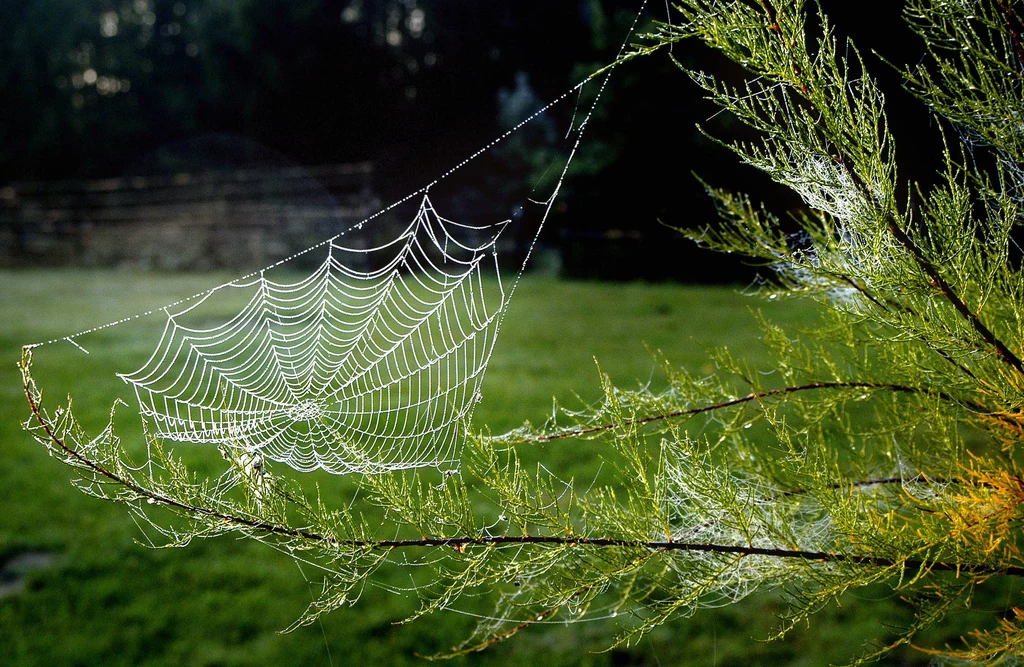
102	599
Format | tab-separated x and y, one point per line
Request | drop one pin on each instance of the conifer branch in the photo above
689	412
773	23
947	291
937	281
930	270
1014	36
881	481
774	27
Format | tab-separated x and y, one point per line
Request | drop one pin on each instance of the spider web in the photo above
371	362
347	369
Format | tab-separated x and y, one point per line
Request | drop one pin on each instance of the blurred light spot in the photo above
149	18
430	59
77	101
108	24
352	13
108	85
180	9
394	37
192	50
141	6
416	22
89	76
171	29
410	92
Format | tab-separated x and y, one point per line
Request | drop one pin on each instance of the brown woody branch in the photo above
769	10
1014	36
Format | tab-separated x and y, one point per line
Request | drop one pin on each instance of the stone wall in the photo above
239	219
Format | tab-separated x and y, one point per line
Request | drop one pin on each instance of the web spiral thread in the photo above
349	369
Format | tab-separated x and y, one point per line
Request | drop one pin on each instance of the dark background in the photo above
101	88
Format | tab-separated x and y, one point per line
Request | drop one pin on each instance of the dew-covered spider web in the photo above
346	369
363	353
